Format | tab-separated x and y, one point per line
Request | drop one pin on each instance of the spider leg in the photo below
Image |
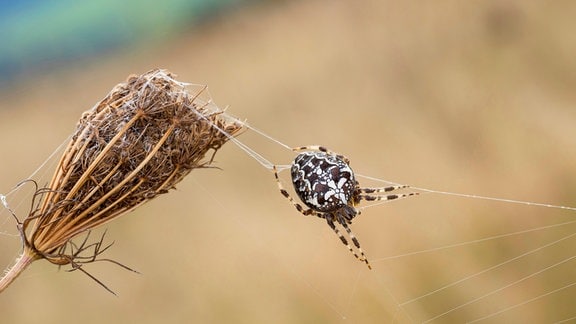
362	256
300	208
382	189
321	149
371	194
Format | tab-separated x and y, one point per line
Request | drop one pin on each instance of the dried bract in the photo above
135	144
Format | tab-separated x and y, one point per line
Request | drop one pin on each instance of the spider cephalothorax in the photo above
326	184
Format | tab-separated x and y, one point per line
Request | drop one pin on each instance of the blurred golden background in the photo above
472	97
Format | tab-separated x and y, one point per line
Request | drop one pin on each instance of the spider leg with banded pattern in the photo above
321	148
371	194
362	257
329	219
304	211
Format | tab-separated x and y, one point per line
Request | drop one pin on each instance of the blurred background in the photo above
471	97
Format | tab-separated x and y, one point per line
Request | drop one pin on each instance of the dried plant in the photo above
135	144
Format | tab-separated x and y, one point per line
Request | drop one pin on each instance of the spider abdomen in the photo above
324	182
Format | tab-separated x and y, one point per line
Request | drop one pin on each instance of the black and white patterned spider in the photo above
325	183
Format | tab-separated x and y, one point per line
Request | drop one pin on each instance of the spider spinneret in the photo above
325	183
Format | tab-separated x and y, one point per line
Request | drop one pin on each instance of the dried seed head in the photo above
138	142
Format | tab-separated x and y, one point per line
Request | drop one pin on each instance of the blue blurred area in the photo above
35	33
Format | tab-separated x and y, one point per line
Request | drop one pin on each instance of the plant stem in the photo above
23	261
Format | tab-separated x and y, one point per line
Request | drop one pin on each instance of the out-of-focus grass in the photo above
466	97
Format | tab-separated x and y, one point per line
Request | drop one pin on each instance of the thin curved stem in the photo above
22	262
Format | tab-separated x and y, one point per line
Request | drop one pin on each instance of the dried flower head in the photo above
135	144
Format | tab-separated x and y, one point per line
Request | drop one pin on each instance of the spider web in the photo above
499	288
480	307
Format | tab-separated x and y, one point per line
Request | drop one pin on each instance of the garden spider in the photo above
325	183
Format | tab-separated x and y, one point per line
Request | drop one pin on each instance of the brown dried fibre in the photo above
135	144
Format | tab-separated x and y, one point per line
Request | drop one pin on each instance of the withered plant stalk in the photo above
135	144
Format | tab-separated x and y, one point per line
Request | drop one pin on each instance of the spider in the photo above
325	183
